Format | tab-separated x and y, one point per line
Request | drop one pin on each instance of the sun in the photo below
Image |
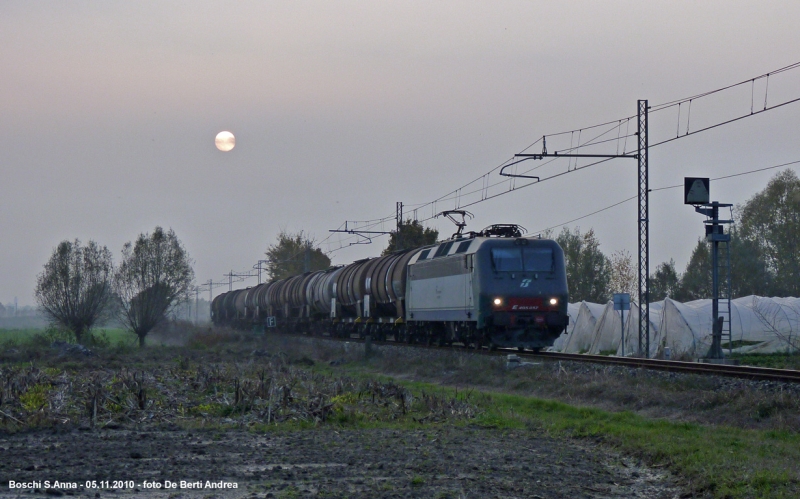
225	141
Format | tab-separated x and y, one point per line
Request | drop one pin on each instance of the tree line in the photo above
80	287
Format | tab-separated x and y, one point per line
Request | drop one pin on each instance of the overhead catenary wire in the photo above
655	108
726	122
663	189
663	105
462	196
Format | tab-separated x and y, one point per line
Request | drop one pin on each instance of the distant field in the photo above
114	336
17	335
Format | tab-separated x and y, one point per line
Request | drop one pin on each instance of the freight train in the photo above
492	288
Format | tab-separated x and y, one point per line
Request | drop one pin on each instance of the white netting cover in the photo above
772	324
683	330
631	344
572	311
580	339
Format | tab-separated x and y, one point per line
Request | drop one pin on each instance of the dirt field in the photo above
440	461
253	414
306	417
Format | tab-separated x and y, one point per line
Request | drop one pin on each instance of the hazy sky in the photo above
109	111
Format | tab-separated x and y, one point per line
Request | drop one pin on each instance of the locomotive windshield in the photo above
518	259
538	259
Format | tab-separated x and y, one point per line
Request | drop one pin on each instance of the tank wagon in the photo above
493	288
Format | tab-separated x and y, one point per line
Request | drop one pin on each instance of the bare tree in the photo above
154	276
75	286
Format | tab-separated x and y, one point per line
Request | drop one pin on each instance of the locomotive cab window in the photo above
517	259
507	259
537	259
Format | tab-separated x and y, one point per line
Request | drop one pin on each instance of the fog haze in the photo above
108	113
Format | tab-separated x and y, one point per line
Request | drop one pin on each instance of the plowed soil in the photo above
443	461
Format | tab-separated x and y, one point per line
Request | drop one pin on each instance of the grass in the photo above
721	461
773	360
730	455
115	336
100	337
17	336
739	344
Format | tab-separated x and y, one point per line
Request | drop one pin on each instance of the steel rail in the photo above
728	370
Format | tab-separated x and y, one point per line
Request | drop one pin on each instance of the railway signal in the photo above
697	193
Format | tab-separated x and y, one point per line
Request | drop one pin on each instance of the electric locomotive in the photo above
493	288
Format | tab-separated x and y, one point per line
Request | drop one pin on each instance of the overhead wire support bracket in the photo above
545	154
361	233
557	155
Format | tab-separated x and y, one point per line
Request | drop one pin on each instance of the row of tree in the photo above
80	287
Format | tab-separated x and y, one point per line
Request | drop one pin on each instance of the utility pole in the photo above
260	268
196	303
399	216
644	229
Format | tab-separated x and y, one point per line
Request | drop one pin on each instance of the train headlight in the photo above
553	301
497	302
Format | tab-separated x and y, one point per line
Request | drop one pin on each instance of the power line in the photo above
664	105
752	113
459	194
663	189
588	214
471	193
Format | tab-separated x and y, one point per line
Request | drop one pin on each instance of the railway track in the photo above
748	372
733	371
